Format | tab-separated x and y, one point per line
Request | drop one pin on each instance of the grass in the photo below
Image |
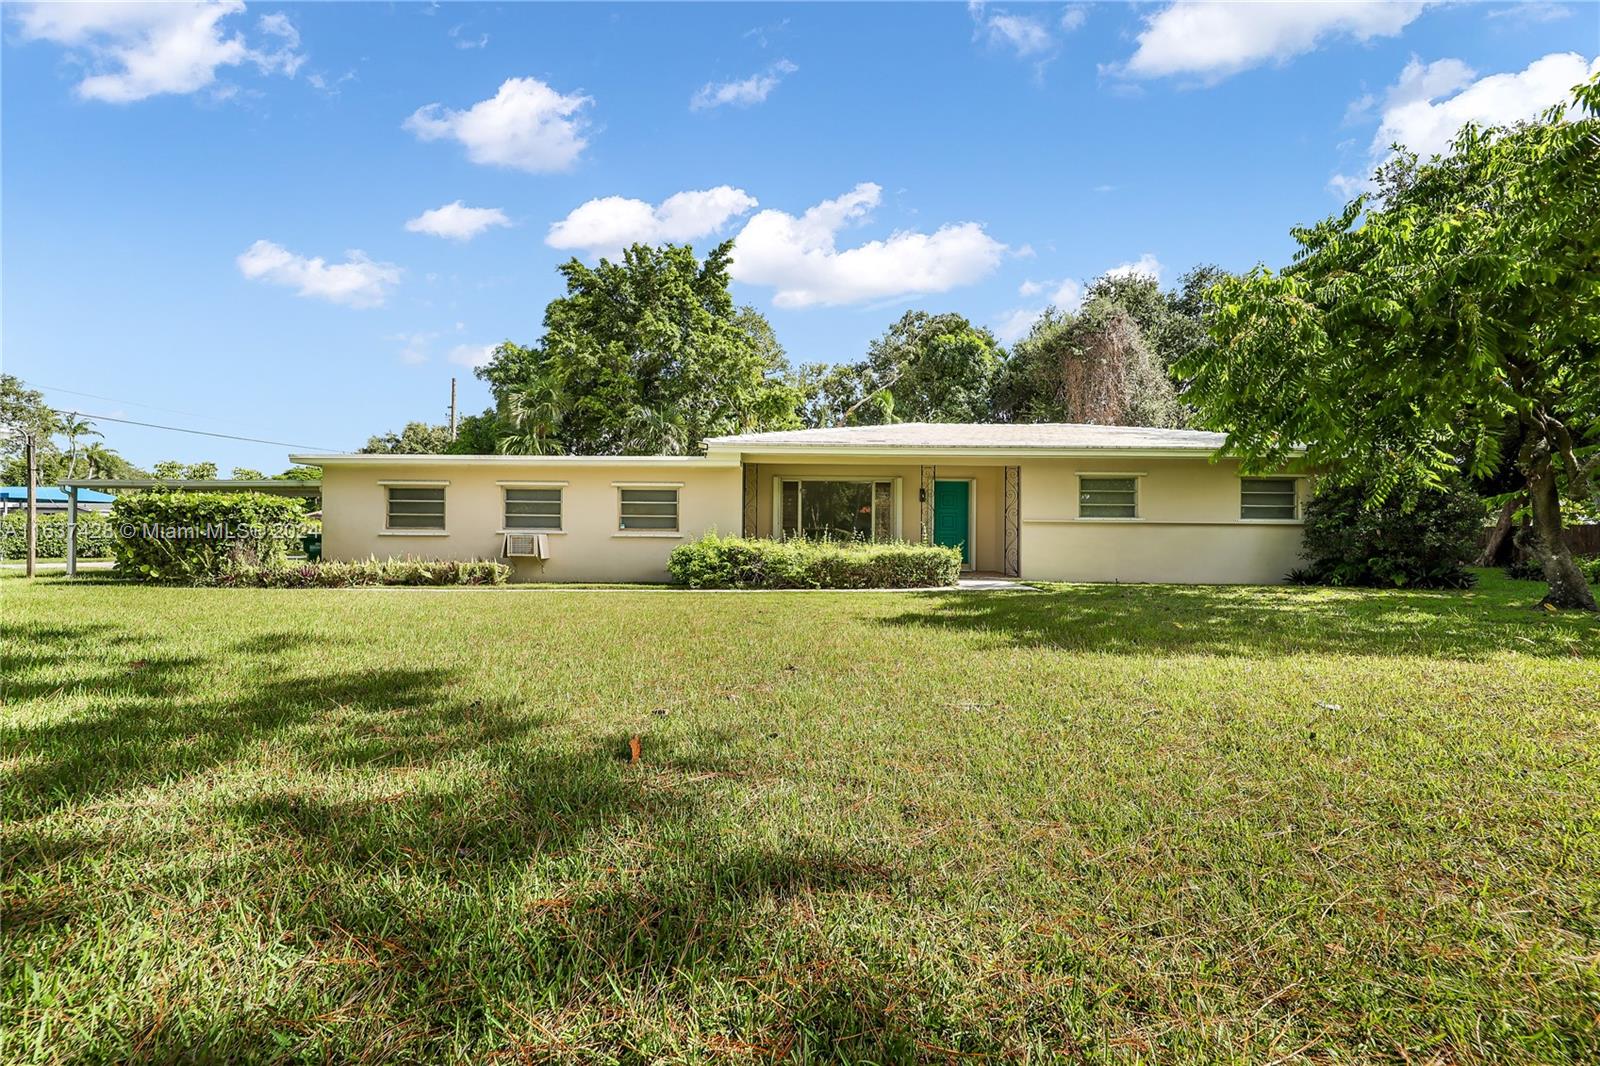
1099	823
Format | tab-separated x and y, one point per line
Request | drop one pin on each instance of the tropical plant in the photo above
533	417
75	428
1413	327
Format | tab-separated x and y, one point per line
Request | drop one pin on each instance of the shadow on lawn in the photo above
147	726
1261	621
412	902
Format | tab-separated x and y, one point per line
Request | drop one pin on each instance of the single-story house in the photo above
1042	502
50	500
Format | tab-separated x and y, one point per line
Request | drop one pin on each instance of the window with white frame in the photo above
1108	497
836	509
533	508
1268	498
645	509
415	507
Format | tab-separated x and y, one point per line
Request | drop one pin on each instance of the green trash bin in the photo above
311	544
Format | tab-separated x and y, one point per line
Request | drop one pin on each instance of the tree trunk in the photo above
1567	585
1497	536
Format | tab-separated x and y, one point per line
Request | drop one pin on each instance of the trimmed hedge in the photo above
194	536
94	536
1423	543
714	562
369	572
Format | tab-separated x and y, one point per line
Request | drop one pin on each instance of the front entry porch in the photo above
973	506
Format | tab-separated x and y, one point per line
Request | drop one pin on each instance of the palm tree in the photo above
100	461
72	427
535	413
654	431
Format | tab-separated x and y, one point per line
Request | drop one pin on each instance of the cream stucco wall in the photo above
590	547
1188	529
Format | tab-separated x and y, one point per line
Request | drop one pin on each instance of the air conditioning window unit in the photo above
526	546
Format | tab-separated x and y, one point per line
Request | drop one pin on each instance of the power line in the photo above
197	432
117	399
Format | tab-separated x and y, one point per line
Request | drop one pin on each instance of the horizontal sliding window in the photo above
415	508
646	509
1267	497
533	509
837	510
1108	497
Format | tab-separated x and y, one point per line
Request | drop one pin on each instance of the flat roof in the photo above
273	486
436	459
936	436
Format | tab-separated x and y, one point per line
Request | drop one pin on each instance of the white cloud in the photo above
1066	295
467	41
329	85
457	222
472	355
799	257
607	225
138	50
1023	34
414	347
1014	324
527	125
1411	116
285	59
752	90
1427	106
357	282
1073	17
1528	12
1147	264
1215	38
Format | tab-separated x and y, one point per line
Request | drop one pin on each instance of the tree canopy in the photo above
648	354
1415	328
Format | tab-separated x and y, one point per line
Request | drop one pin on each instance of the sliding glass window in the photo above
836	510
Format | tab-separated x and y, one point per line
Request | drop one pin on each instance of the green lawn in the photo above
1122	824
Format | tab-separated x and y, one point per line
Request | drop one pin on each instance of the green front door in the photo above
951	503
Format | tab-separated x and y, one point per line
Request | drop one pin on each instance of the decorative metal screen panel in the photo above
925	498
1013	522
752	490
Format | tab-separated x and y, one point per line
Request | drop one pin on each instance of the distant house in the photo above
1043	502
49	500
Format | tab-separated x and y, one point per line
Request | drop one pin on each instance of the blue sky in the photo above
297	222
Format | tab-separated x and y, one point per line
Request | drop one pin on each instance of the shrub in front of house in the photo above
1425	542
94	536
715	562
365	574
193	537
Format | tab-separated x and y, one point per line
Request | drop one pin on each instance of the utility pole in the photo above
32	519
452	409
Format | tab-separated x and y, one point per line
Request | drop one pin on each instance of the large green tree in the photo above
1092	366
1413	328
647	354
924	368
417	438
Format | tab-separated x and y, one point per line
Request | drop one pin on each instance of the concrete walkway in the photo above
992	584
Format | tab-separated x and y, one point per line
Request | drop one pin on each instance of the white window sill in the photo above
658	533
414	533
1133	519
1272	522
546	532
